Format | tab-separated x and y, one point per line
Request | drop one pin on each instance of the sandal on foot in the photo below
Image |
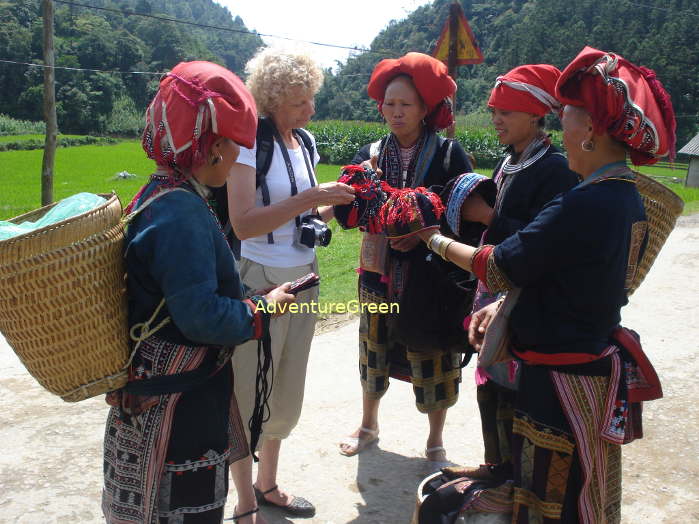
298	506
236	518
357	444
436	449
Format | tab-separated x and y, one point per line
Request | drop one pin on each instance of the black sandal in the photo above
298	507
236	518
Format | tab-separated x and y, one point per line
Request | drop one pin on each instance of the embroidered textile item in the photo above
624	100
196	101
527	88
459	189
435	376
144	433
370	195
408	211
390	161
431	79
496	280
563	470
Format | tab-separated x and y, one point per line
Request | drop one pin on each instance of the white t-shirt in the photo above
284	252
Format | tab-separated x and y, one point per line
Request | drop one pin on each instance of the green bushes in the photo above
12	126
34	142
125	120
338	140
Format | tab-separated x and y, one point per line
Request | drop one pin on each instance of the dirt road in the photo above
50	464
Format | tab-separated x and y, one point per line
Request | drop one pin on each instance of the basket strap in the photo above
128	218
141	331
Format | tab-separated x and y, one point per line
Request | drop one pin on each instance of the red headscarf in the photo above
431	79
527	88
624	100
196	102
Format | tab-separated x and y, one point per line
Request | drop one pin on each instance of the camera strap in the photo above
290	167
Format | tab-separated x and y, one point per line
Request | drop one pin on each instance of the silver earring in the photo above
587	146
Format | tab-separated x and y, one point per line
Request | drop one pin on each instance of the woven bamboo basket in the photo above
663	207
63	301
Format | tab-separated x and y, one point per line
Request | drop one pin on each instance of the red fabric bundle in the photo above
624	100
409	211
196	102
527	88
431	79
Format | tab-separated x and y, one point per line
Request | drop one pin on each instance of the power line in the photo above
219	28
80	68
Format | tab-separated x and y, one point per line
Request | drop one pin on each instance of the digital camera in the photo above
313	232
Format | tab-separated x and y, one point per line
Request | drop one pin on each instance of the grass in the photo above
77	169
93	168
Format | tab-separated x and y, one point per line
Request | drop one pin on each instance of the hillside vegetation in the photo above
661	34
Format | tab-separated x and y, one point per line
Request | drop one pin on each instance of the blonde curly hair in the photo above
273	73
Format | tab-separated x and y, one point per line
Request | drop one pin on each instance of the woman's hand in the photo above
333	194
405	244
373	164
425	234
476	209
480	321
279	298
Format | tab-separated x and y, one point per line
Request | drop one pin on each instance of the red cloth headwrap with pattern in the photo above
431	79
195	102
527	88
624	100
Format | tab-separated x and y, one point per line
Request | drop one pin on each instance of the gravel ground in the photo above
50	468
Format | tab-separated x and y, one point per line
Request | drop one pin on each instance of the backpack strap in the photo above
307	142
263	161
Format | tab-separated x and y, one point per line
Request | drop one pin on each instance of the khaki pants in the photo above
291	335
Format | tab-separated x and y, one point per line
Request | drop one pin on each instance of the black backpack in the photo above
263	160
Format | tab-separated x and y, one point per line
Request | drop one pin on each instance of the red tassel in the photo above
353	217
663	99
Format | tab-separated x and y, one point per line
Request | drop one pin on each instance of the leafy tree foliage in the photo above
515	32
92	39
510	32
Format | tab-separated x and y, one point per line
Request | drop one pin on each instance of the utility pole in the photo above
49	106
454	10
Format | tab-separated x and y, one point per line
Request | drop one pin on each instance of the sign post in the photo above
457	46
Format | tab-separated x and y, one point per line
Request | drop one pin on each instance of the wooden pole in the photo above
49	106
451	61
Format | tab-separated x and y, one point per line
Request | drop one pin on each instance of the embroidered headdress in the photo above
527	88
431	79
624	100
195	102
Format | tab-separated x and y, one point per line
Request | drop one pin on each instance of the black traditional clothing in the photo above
167	448
525	186
435	374
574	263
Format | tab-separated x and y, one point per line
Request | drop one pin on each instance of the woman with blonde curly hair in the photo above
270	203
